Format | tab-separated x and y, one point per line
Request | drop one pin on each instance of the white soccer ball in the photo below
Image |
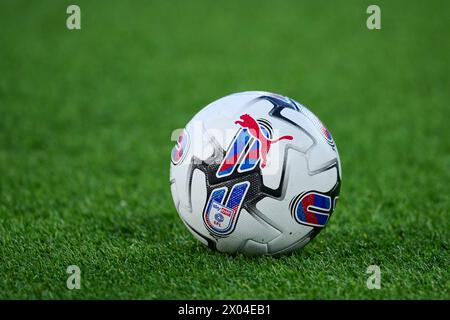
255	173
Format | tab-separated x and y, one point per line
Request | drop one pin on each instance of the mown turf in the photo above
85	124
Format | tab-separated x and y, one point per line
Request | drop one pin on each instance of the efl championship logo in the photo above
220	217
249	148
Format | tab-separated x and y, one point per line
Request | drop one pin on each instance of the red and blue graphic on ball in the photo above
312	208
181	148
249	147
255	135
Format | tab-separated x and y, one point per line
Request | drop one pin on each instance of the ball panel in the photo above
254	248
248	228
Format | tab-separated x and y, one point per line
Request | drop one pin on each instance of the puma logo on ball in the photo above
247	121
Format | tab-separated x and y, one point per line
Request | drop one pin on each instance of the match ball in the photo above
255	173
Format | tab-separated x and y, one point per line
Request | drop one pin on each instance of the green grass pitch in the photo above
85	124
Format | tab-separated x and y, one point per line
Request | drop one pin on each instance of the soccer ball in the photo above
255	173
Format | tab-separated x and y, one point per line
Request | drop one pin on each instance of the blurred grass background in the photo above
85	124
